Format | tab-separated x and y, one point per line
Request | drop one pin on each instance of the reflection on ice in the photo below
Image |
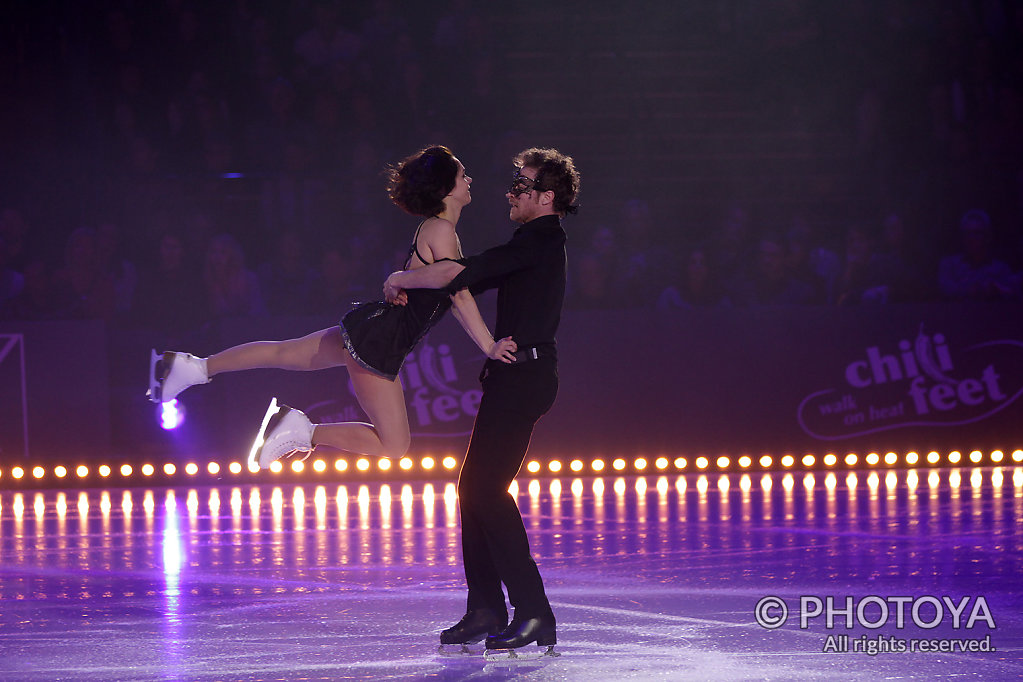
647	575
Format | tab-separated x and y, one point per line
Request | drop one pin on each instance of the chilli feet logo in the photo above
923	381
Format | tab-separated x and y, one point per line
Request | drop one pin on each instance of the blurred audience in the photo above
729	247
231	289
809	260
287	279
592	272
12	282
855	284
591	285
170	293
975	274
261	119
896	270
36	301
769	281
640	262
697	285
337	282
113	260
83	288
17	237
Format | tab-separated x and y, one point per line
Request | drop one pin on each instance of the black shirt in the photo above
529	273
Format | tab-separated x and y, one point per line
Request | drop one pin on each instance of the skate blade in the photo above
299	456
274	410
513	656
156	373
456	650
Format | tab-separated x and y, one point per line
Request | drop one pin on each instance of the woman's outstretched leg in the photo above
172	372
319	350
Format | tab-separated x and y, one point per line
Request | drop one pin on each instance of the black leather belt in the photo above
533	353
521	356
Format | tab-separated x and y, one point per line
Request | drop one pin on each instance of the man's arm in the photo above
488	267
433	276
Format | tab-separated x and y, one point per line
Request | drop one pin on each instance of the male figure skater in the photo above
529	273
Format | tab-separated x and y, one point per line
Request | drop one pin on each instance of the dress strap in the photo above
414	249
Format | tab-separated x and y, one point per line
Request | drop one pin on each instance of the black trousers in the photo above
495	549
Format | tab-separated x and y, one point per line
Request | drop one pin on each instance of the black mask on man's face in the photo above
521	184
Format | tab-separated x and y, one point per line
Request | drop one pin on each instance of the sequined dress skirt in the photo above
380	335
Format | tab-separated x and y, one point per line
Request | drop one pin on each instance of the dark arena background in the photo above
788	442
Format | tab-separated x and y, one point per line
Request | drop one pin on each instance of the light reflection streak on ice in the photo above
173	559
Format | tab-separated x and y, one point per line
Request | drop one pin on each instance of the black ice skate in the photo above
520	633
474	626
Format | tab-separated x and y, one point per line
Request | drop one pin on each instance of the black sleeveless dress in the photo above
379	335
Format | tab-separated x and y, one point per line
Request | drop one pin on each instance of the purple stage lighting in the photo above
172	415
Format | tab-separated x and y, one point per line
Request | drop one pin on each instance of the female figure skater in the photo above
372	339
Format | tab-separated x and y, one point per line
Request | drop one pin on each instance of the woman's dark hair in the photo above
419	183
555	172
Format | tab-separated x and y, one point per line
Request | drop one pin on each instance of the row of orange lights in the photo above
724	463
576	466
215	469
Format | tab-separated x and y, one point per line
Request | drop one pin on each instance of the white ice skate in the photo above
284	430
171	373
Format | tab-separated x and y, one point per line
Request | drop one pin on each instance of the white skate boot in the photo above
284	430
171	373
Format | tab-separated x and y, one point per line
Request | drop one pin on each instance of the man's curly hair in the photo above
555	172
419	183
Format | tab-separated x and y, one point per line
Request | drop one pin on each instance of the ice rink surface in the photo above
651	578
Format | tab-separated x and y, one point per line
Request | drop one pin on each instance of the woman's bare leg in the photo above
319	350
381	399
384	404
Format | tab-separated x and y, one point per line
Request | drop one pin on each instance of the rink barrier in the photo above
722	389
